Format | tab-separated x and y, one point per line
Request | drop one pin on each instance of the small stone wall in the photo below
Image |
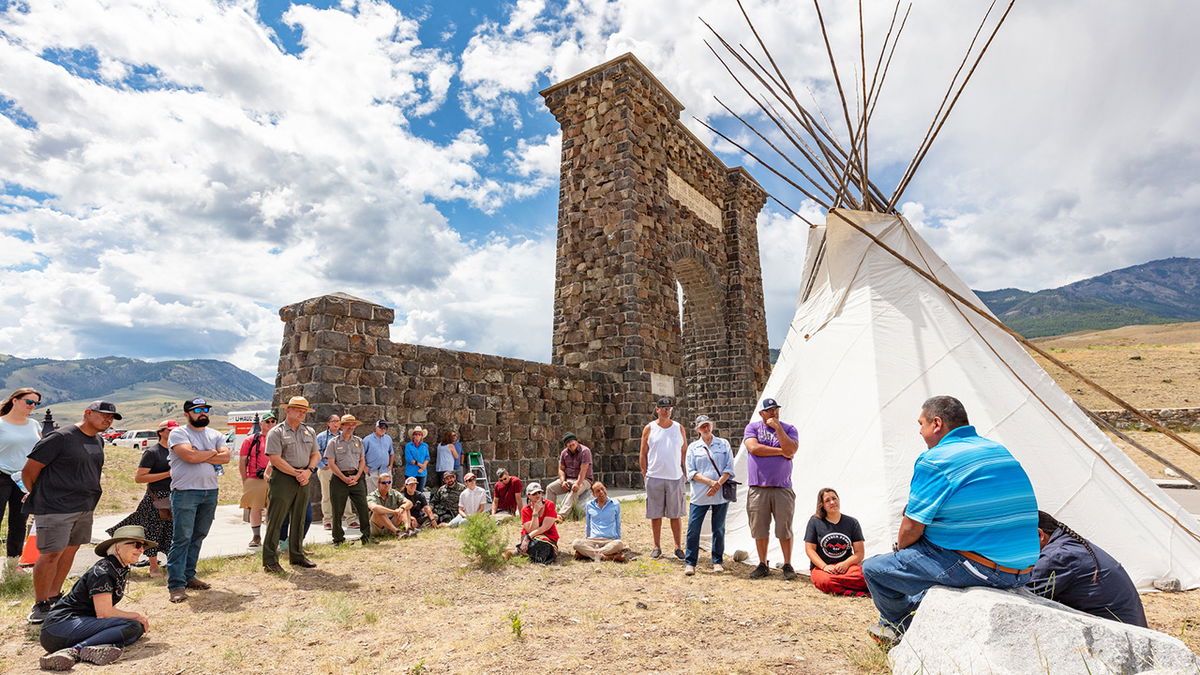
1175	419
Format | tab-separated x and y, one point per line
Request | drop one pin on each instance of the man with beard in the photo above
196	452
293	452
62	475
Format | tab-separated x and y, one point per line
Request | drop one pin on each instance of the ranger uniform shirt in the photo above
295	446
346	453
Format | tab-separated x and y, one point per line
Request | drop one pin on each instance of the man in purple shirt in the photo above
771	444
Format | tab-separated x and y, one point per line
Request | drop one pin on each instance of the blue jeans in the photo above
898	581
192	514
695	522
287	520
88	631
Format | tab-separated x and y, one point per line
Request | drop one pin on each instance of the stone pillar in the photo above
336	353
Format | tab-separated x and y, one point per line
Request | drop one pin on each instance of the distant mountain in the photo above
123	379
1161	291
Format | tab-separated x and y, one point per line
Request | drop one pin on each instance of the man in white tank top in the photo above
664	446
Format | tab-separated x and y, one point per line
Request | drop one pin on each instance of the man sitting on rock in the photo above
444	499
971	520
1081	575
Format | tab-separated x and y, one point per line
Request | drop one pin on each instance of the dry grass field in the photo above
414	606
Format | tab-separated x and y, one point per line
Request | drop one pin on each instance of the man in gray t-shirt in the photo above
195	453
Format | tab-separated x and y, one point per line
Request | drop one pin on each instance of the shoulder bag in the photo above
729	487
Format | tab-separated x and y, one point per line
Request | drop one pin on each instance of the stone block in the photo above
984	630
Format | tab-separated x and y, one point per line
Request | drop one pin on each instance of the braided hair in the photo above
1048	524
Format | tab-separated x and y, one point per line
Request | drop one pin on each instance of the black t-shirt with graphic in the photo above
70	481
835	542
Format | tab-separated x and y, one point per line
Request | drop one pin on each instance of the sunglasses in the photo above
201	410
139	545
385	482
32	402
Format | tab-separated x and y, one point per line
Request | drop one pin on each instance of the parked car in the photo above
139	439
113	434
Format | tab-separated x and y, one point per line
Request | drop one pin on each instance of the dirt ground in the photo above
414	606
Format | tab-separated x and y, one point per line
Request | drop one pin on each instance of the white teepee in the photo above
872	339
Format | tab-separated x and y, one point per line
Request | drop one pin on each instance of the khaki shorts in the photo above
254	494
57	531
765	503
664	498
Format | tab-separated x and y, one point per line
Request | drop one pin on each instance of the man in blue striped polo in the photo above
971	520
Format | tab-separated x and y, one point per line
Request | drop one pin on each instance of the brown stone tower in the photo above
644	206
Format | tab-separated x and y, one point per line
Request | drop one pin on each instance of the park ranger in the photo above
293	452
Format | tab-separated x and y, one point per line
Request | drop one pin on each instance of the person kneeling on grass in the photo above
85	624
539	531
834	544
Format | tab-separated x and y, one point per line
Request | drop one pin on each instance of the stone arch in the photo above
703	291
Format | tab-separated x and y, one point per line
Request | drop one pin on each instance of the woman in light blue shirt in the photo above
709	467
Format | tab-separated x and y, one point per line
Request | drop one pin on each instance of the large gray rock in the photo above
984	630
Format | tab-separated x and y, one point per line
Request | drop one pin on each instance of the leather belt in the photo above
975	557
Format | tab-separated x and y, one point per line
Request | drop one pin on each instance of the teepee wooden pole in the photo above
1103	423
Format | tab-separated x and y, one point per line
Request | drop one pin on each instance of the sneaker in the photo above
656	553
100	655
689	570
760	572
328	526
718	568
788	572
354	523
39	612
63	659
679	553
255	542
884	634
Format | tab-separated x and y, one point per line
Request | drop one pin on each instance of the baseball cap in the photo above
105	407
167	424
469	476
501	473
702	420
410	479
382	424
534	488
767	404
269	416
193	403
665	402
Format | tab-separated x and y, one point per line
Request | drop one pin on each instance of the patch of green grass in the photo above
292	626
435	600
870	658
233	656
344	610
16	584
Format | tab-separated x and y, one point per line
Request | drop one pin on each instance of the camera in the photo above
259	473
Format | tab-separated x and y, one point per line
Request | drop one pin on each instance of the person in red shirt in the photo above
507	501
539	531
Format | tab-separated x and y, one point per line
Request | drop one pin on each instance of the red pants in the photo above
849	583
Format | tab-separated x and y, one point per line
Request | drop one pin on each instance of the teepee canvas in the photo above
872	339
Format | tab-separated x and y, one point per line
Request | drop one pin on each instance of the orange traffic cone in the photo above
29	555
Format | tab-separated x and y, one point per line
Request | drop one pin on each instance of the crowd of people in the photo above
971	517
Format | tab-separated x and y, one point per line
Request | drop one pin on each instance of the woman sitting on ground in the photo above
834	544
1081	575
85	624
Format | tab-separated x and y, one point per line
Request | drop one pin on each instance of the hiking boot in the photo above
255	542
884	634
788	572
689	570
197	585
303	562
656	553
178	595
273	568
761	572
718	568
39	611
100	655
63	659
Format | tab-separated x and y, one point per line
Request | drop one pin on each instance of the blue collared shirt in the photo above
698	463
602	521
971	494
378	451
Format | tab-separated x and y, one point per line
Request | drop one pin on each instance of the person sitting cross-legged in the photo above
539	528
419	510
388	512
1083	576
444	499
601	528
472	500
85	625
834	544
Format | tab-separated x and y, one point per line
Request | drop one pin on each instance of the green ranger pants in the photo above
357	494
284	496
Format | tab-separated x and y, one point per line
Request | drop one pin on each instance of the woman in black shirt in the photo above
85	624
834	544
153	513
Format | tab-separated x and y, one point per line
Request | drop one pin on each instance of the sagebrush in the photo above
483	543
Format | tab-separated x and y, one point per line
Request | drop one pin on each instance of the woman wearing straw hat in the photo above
85	625
153	513
348	461
416	457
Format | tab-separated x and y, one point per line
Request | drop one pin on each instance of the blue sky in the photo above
175	172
